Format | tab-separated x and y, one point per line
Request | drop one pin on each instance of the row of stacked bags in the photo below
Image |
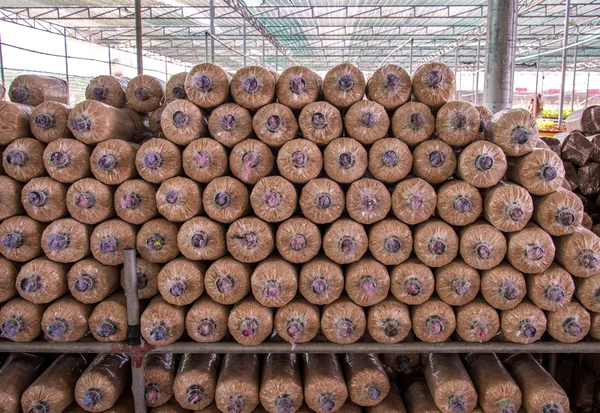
283	383
346	216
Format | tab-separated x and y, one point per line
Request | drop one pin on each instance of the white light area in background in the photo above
253	3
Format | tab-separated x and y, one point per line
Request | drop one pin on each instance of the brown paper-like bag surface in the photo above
113	161
574	147
159	374
66	240
321	281
109	239
367	281
559	213
250	323
402	363
179	199
90	201
253	87
42	281
503	287
17	373
275	124
20	159
457	123
207	85
158	160
458	203
141	122
366	121
274	282
388	321
419	400
343	322
481	245
20	238
477	321
299	161
44	199
482	164
298	86
343	85
413	123
368	385
147	278
250	240
175	88
49	121
368	201
206	320
508	207
456	283
35	89
570	323
320	122
182	122
523	324
108	89
239	383
584	120
449	383
514	130
579	253
103	382
530	250
251	160
390	86
157	241
196	380
92	122
434	161
226	199
595	326
298	321
552	289
345	241
162	323
485	117
90	282
8	275
181	281
434	84
66	320
10	197
14	121
298	240
204	159
390	241
229	124
412	282
274	199
281	383
391	404
324	385
435	243
345	160
588	292
433	321
145	93
322	201
21	320
108	321
123	405
227	280
541	171
390	160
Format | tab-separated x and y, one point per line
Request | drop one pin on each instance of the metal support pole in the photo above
166	70
552	364
574	75
277	60
66	55
410	61
138	37
457	74
587	86
537	77
2	66
212	30
500	61
206	47
477	69
109	62
244	34
263	51
563	69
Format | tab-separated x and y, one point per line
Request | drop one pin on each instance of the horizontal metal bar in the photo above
54	347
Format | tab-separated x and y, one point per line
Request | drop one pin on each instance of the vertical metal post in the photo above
212	30
166	70
477	69
244	33
410	61
2	65
457	74
109	62
587	86
66	55
537	77
574	74
138	37
552	364
263	51
563	68
206	47
276	60
500	61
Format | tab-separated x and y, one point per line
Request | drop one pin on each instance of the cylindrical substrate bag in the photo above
225	199
345	160
579	253
274	282
366	379
523	324
17	373
367	281
141	122
498	392
103	382
298	321
21	159
15	121
402	363
345	241
481	245
42	281
66	240
569	324
595	326
66	320
158	160
433	321
44	199
68	160
541	171
273	199
49	121
92	122
588	292
458	203
322	200
207	85
10	197
435	243
162	323
388	321
175	88
204	160
321	281
35	89
250	323
109	239
206	320
227	280
551	289
434	84
449	383
251	160
275	124
147	278
181	281
173	407
179	199
320	122
325	389
390	86
182	122
253	87
391	404
343	321
368	201
514	130
20	238
477	321
390	160
159	375
390	241
108	321
90	201
482	164
250	240
457	123
344	85
413	201
412	282
239	381
91	282
108	89
434	161
503	287
201	238
298	240
145	93
21	320
229	124
8	275
366	121
298	86
485	116
299	161
507	206
281	388
156	241
559	213
413	123
418	398
456	283
530	250
113	161
196	380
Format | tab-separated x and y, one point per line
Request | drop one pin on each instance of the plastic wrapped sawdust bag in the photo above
10	197
388	321
412	282
141	122
523	324
35	89
320	122
413	201
418	398
274	282
273	199
175	88
321	281
368	201
66	240
157	241
250	240
367	281
207	85
587	222
434	84
42	281
173	407
8	275
343	85
201	238
250	323
109	239
345	241
145	93
159	374
281	388
178	199
457	123
90	201
91	282
147	278
324	385
20	320
298	321
435	243
298	86
162	323
103	382
540	391
482	164
298	240
485	116
17	373
503	287
390	160
433	321
196	380
391	404
584	120
182	122
49	121
108	89
595	326
477	321
574	147
15	121
108	321
402	363
20	238
92	122
481	245
569	324
530	250
322	200
434	161
253	87
66	320
299	161
53	390
514	130
251	160
343	321
390	86
551	289
229	124
158	160
588	292
226	199
449	383
113	161
559	213
413	123
498	392
345	160
390	241
578	252
181	281
366	121
154	126
367	382
275	124
540	172
456	283
508	207
125	404
21	159
458	203
204	160
44	199
239	381
206	320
